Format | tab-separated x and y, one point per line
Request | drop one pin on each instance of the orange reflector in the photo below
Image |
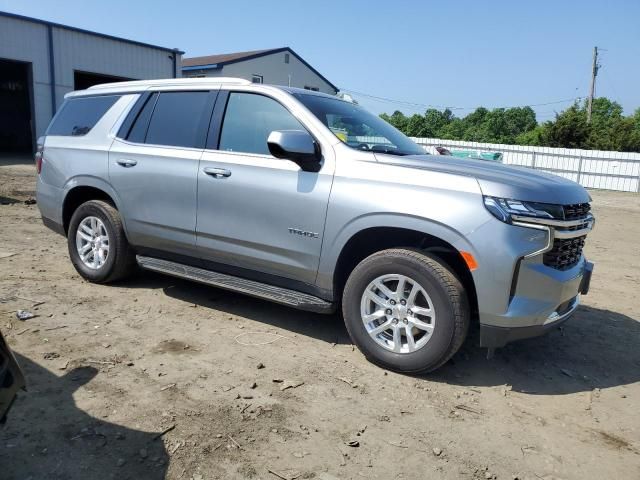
469	260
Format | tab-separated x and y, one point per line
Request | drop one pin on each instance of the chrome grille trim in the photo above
565	237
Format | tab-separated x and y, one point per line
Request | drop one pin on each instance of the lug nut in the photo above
403	302
405	321
392	302
409	312
388	311
394	321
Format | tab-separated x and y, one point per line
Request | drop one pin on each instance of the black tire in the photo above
443	287
120	260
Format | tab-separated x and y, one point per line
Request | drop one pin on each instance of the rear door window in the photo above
79	115
179	119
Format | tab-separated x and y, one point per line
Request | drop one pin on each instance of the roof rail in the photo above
172	82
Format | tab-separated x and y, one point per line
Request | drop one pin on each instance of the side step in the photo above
280	295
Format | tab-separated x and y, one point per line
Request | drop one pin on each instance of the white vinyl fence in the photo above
591	168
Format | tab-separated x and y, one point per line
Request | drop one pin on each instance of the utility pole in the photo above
594	73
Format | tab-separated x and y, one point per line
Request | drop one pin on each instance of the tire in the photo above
439	336
119	260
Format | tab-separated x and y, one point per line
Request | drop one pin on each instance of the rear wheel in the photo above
98	247
405	310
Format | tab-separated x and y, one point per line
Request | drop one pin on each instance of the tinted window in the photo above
248	121
79	115
178	119
139	129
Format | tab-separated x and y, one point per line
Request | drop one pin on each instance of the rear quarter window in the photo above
79	115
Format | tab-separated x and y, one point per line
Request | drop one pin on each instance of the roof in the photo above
138	86
218	61
89	32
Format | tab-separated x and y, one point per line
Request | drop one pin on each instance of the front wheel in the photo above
405	310
98	247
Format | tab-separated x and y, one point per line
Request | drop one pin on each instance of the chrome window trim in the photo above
153	145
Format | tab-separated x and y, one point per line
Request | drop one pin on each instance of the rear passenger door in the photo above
153	166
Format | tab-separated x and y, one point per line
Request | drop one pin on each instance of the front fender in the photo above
333	247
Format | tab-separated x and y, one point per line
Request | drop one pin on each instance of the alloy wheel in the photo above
92	242
397	313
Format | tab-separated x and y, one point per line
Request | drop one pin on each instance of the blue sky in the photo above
441	53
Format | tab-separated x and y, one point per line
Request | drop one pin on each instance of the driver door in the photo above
256	212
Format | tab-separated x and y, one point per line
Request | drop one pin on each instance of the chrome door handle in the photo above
125	162
217	172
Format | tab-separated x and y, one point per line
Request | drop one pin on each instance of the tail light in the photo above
39	154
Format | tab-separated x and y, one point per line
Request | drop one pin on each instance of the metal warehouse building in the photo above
42	61
277	66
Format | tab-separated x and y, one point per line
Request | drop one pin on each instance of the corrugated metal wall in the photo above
28	41
88	53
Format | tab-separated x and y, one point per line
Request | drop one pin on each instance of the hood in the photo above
497	180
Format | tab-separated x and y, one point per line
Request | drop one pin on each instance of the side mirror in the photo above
297	146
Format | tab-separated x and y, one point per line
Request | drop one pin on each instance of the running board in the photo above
280	295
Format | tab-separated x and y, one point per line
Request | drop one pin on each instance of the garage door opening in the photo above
16	132
84	80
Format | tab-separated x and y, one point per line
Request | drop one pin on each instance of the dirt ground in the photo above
243	388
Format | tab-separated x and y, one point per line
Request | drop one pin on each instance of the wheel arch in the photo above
440	242
80	190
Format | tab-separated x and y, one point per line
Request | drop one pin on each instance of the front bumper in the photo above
534	322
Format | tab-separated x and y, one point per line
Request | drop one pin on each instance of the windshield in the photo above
358	128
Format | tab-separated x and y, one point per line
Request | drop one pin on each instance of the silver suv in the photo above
310	201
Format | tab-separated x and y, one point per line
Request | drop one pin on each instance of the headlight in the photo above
504	208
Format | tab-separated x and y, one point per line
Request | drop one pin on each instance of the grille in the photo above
576	211
565	253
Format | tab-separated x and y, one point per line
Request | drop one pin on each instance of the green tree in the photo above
398	120
454	130
568	130
416	126
609	128
532	137
435	122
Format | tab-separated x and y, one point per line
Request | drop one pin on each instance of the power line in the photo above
425	105
400	102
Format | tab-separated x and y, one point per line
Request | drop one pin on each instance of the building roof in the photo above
89	32
218	61
224	58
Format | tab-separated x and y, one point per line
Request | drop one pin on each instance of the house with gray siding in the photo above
277	66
